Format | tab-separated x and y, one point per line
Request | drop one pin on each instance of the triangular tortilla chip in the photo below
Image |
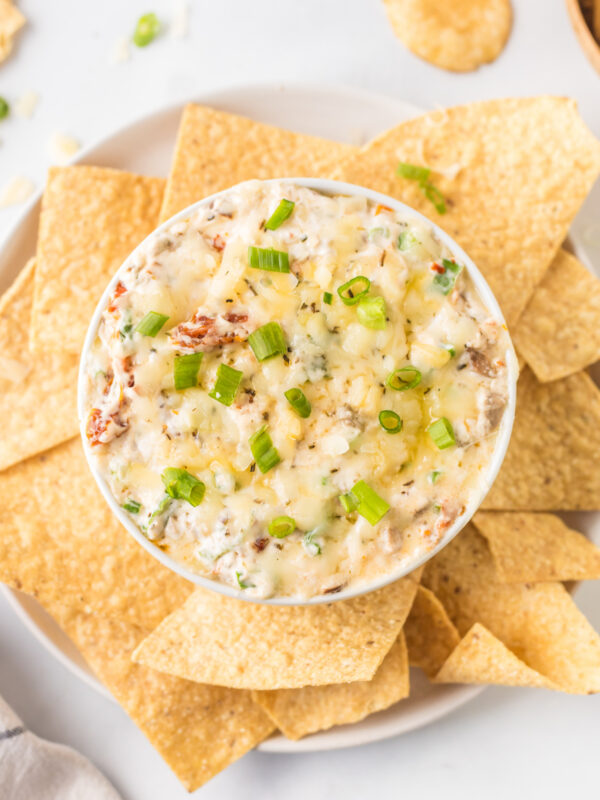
216	150
514	173
430	634
552	459
559	331
38	395
538	622
11	22
298	712
528	548
91	219
228	642
481	658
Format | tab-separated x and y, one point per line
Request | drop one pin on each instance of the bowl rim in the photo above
325	186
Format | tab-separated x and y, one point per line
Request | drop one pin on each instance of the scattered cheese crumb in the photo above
62	148
25	105
120	51
16	191
180	23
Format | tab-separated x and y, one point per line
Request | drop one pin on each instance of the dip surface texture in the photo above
399	383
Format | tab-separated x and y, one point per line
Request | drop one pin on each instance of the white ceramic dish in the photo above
503	436
338	113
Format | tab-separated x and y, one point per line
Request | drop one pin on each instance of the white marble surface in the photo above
506	742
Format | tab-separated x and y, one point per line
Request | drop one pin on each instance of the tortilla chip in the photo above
219	640
538	622
61	543
529	548
481	658
91	219
11	22
298	712
552	459
38	396
457	35
216	150
514	173
559	332
198	730
430	634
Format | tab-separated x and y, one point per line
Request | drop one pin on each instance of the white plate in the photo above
336	113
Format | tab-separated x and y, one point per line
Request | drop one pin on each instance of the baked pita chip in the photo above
430	634
11	22
513	172
298	712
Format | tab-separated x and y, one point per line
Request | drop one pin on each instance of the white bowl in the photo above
503	437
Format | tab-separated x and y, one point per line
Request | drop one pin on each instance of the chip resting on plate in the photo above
457	35
216	639
430	633
298	712
37	393
216	150
508	175
91	219
537	547
11	22
559	331
552	459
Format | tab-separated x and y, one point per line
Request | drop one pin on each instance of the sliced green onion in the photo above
279	216
280	527
267	341
268	259
370	506
351	291
297	399
450	348
390	421
313	548
404	378
374	232
371	313
132	506
433	194
227	383
434	475
185	370
327	298
160	509
146	30
151	323
406	240
445	280
265	454
442	433
4	108
349	502
241	583
182	485
412	172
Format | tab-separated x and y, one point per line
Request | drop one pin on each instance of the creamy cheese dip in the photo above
399	383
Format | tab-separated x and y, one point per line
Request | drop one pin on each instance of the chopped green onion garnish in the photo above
4	108
349	502
182	485
241	583
151	323
371	312
267	341
265	454
406	240
185	370
442	433
279	216
125	331
450	348
404	378
374	232
390	421
132	506
280	527
227	383
433	194
268	259
160	509
370	505
412	172
433	476
146	30
297	399
445	280
311	546
354	289
327	298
